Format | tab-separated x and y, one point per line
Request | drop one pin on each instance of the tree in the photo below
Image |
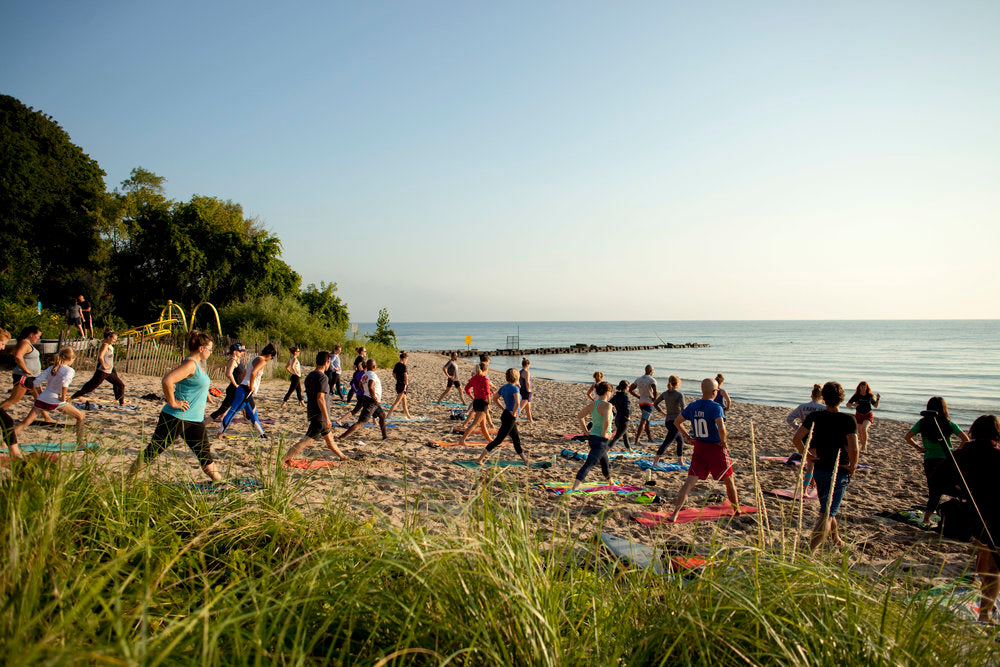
52	208
324	303
383	334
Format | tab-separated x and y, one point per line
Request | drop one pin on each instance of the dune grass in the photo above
100	572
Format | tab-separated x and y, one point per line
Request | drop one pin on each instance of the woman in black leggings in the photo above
673	400
508	397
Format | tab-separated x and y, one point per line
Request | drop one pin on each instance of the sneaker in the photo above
265	436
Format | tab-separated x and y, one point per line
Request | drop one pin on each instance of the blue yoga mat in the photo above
661	467
54	447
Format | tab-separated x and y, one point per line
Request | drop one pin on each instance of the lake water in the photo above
769	362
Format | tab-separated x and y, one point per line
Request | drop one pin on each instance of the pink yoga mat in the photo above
790	493
311	464
708	513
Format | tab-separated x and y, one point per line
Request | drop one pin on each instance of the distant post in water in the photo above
468	342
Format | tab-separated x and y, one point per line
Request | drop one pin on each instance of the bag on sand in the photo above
958	519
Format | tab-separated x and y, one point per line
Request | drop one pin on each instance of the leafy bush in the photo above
383	334
15	316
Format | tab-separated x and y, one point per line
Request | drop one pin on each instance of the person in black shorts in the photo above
317	413
371	407
451	372
402	384
86	317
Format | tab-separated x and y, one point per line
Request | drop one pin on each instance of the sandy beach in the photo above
403	479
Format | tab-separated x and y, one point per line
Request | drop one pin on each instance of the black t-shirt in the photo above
317	385
830	431
359	360
621	404
864	403
399	371
979	461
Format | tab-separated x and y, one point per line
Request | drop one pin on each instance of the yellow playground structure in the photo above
165	324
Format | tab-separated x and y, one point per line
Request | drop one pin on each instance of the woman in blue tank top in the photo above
186	391
601	415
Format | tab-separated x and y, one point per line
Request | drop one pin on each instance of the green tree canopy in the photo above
324	303
52	206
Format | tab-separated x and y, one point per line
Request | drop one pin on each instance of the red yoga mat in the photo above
708	513
311	464
789	494
5	459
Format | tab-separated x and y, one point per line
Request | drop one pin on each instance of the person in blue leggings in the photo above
244	399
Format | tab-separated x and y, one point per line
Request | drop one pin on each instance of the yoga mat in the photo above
662	467
579	437
235	437
634	553
241	420
240	485
695	514
449	404
911	517
582	456
312	464
82	405
342	425
784	459
51	457
470	463
54	447
414	420
447	443
216	392
789	494
560	489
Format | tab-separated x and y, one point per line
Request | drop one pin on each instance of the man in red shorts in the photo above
710	456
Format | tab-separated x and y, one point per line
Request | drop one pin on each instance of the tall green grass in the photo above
99	571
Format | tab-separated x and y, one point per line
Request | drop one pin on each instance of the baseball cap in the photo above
237	346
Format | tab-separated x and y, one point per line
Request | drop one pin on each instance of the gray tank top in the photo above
109	359
32	362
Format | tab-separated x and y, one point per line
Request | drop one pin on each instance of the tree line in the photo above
131	249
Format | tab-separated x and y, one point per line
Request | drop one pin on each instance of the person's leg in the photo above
444	393
863	435
117	386
238	400
734	500
638	433
399	398
620	428
933	491
250	412
291	387
69	409
476	418
682	495
606	466
226	402
167	430
987	569
338	387
598	454
819	532
17	392
332	446
351	429
196	438
297	448
406	407
30	417
90	385
671	434
380	413
9	435
515	438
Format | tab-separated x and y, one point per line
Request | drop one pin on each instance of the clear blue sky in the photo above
572	160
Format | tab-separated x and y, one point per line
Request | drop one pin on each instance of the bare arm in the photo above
230	369
185	370
726	402
852	453
798	439
679	423
912	441
582	415
22	349
631	390
720	424
878	397
323	410
258	368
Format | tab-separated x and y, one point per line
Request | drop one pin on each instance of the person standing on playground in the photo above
244	399
480	389
508	397
402	377
709	455
863	401
601	414
87	316
450	369
74	318
27	366
646	386
673	400
317	413
186	390
834	450
57	379
294	368
524	386
105	370
236	370
370	401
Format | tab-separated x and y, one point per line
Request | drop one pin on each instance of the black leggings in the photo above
169	428
335	386
598	454
7	428
508	426
99	377
621	431
226	402
672	434
295	385
934	491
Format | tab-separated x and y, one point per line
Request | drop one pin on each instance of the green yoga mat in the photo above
54	447
471	463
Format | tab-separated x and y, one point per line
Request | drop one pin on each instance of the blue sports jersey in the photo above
509	394
702	415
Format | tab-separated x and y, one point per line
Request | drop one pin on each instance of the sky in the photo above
522	161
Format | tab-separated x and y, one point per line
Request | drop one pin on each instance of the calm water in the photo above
770	362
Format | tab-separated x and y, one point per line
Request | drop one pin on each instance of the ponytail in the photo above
198	339
66	355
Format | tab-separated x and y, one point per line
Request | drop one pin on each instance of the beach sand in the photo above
404	481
